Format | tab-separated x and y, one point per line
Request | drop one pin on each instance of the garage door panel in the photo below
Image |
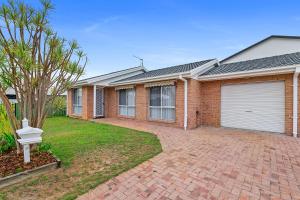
258	106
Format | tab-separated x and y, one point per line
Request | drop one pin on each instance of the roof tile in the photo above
167	70
261	63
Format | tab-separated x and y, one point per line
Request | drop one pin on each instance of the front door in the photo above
99	108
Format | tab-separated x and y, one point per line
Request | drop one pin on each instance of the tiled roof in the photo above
167	70
261	63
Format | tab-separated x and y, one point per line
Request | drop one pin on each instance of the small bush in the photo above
43	147
4	122
7	142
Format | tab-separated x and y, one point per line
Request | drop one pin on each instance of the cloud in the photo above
91	28
111	19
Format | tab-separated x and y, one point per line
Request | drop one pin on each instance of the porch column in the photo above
94	110
295	102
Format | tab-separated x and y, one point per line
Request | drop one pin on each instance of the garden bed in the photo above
12	163
90	153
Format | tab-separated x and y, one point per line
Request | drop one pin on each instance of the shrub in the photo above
58	107
4	123
7	142
43	147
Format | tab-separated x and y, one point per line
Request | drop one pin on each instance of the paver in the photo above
209	163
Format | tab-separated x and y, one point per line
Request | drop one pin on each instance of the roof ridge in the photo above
288	59
168	70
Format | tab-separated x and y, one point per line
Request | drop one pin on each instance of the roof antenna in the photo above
142	60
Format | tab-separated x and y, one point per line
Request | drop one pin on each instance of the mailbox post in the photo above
28	136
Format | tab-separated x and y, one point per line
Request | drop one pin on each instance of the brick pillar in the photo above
194	103
69	102
141	98
87	102
179	107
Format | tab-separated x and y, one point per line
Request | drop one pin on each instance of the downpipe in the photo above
185	117
295	102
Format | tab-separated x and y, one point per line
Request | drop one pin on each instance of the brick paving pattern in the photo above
209	163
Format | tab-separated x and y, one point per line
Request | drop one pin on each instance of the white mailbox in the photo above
28	135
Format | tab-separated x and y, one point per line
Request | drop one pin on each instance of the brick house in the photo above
256	89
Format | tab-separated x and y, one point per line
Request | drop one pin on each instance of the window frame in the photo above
127	106
78	98
161	107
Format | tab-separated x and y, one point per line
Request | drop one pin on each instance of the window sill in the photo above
127	117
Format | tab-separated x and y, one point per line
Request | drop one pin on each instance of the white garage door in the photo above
258	106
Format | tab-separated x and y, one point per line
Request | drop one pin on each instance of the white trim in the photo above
93	80
185	117
260	72
67	98
94	109
295	102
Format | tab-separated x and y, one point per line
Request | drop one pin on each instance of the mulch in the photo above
11	162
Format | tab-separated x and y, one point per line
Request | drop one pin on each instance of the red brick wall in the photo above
141	102
211	99
210	103
69	102
87	102
194	103
179	103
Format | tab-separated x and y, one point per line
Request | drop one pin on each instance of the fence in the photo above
52	111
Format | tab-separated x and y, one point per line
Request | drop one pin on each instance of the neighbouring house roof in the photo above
258	43
255	64
105	79
167	71
11	92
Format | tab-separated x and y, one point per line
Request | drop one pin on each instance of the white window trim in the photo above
127	106
162	107
76	105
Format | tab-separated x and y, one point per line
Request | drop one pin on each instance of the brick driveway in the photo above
209	163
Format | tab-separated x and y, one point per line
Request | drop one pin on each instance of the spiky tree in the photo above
34	61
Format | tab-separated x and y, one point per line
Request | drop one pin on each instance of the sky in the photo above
168	32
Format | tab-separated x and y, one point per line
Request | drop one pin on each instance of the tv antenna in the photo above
141	60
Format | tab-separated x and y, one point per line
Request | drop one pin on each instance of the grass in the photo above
91	153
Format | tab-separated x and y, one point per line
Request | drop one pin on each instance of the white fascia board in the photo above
90	81
105	77
152	79
203	68
252	73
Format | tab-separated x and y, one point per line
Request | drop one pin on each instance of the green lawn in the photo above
91	153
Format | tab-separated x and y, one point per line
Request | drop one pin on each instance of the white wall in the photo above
270	47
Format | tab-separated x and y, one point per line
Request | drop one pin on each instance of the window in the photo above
77	101
127	102
162	103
